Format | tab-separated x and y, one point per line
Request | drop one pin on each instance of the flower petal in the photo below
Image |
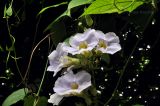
89	37
82	77
54	59
111	37
63	85
113	48
71	50
55	99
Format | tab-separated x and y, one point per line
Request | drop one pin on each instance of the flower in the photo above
55	99
82	42
107	43
72	84
55	59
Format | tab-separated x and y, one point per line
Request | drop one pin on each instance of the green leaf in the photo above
15	97
9	11
112	6
76	3
44	9
89	20
30	101
105	58
72	4
59	32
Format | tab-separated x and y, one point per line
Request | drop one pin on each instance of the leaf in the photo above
15	97
76	3
9	11
30	100
72	4
89	20
105	58
109	6
59	30
44	9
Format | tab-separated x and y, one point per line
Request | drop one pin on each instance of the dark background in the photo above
139	85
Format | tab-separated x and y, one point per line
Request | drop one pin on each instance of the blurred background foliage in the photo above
23	23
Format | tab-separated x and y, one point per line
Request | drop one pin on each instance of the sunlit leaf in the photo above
112	6
44	9
15	97
9	11
75	3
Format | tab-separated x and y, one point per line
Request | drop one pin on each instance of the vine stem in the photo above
27	71
14	51
123	70
44	74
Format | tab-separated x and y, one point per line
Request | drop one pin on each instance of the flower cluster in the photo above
81	54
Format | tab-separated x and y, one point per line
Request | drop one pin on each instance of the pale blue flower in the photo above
55	99
82	42
55	59
108	43
72	84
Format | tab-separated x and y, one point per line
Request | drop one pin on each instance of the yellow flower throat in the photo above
102	44
74	85
83	45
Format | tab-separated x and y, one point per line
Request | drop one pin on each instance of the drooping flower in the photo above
82	42
72	84
55	59
55	99
108	43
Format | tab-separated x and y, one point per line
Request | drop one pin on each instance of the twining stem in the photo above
40	86
121	75
27	71
14	51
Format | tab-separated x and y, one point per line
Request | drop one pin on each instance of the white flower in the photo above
55	59
72	84
82	42
55	99
108	43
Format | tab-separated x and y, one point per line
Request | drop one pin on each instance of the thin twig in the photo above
27	71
